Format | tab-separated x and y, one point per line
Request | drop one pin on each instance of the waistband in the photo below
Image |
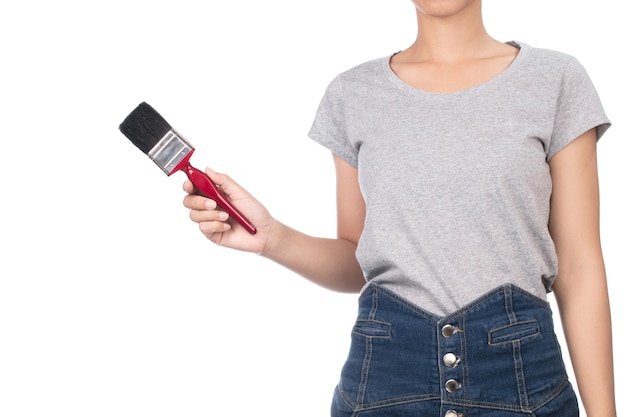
498	352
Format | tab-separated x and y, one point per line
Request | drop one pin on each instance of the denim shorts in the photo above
496	357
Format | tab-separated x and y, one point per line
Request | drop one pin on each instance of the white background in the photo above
111	302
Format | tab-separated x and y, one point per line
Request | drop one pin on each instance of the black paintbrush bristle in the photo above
144	126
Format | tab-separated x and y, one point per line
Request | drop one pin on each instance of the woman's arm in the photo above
581	287
330	263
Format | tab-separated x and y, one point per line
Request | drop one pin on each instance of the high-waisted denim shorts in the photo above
496	357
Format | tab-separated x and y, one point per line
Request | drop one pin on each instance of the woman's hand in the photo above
215	223
329	262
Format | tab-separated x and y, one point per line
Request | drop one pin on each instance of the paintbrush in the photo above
147	130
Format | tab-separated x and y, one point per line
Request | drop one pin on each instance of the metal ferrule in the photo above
170	151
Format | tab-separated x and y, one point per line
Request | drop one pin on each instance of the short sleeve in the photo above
329	126
578	109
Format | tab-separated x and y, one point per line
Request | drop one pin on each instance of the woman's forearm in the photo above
330	263
585	314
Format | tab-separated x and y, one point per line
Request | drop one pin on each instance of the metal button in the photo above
448	330
451	360
452	413
452	385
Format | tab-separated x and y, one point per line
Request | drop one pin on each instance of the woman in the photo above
466	178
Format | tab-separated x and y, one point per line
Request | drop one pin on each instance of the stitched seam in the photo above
440	365
531	321
374	307
550	396
508	305
397	401
407	304
465	353
499	406
362	333
496	292
519	371
348	401
369	347
508	338
517	375
529	296
360	399
482	404
491	343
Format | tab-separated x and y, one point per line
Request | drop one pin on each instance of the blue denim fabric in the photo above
502	358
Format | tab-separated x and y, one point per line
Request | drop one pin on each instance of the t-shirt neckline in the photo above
404	86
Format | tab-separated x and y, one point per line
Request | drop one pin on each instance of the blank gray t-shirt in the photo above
457	185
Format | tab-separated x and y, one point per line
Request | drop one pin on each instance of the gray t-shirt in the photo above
457	185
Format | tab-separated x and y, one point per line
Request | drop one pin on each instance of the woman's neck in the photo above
450	39
452	51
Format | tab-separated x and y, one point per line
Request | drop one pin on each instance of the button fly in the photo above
448	330
452	385
452	413
451	360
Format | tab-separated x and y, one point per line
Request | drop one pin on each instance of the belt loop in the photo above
374	306
516	350
508	304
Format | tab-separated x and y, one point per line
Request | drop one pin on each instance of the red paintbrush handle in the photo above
207	188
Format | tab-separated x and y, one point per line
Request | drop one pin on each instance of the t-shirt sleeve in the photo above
329	126
578	109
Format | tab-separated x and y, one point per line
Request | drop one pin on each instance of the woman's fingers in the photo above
197	202
205	213
199	216
210	220
210	229
188	187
